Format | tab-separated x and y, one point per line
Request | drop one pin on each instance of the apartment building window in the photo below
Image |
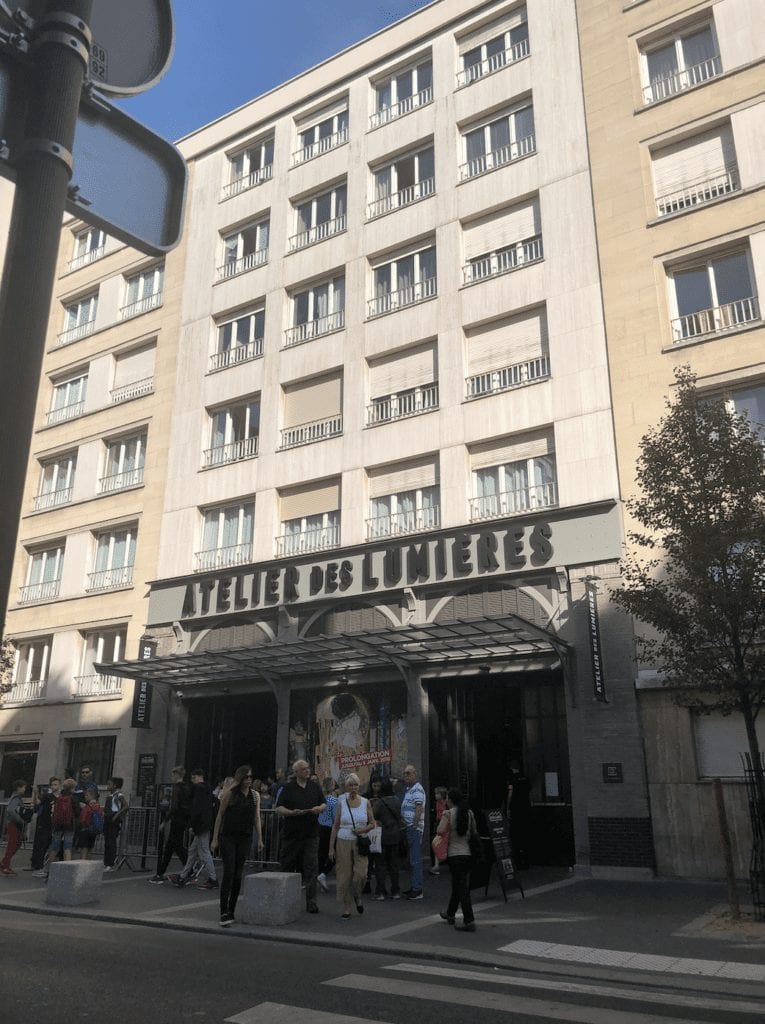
233	433
79	319
244	250
310	518
313	410
115	557
56	481
317	310
403	92
100	648
68	399
498	142
402	182
504	240
30	670
680	62
133	374
507	353
403	499
124	463
250	167
695	171
507	43
227	533
320	137
89	245
43	579
713	295
239	340
320	217
749	402
403	384
404	281
143	291
513	476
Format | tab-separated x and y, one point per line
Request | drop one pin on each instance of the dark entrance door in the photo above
19	761
224	732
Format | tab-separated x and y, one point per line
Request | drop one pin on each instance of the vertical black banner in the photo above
142	689
596	651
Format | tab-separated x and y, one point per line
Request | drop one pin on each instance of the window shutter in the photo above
411	368
318	116
134	366
511	449
500	228
495	28
693	159
314	399
403	476
507	341
310	501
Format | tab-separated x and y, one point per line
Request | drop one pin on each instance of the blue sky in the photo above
229	51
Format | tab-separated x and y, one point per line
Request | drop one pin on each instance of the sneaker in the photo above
42	874
108	869
322	880
211	883
407	892
8	871
415	894
434	871
158	879
396	896
177	880
380	897
226	920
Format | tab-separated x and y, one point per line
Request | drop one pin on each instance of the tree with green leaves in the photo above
696	571
7	652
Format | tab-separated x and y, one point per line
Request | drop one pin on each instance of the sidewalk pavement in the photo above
571	924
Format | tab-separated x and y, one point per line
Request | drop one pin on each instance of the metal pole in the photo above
60	46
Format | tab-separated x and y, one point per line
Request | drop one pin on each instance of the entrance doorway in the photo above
19	761
224	732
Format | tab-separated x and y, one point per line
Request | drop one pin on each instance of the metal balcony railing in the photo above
309	433
401	404
496	62
110	579
398	523
237	354
52	498
241	266
236	451
695	193
404	197
65	412
309	540
87	257
26	692
119	481
136	389
76	333
716	319
678	81
512	257
39	591
515	376
498	158
396	110
97	685
222	558
314	328
141	305
247	181
511	503
319	147
318	233
388	301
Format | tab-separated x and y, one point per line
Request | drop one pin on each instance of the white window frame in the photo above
121	477
71	407
517	147
385	302
250	166
100	647
238	351
218	556
500	506
111	575
79	318
89	246
143	291
396	520
313	325
395	198
41	589
338	135
315	230
31	665
237	256
58	493
420	94
295	533
684	76
488	64
717	318
234	448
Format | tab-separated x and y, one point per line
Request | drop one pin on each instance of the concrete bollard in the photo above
73	883
270	897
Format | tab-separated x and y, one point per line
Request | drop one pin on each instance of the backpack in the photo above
96	825
62	818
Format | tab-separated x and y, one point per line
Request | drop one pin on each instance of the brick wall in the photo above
621	842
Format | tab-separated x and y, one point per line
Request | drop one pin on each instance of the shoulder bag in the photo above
440	843
363	843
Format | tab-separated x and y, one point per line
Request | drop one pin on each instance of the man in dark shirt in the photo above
299	805
176	824
43	804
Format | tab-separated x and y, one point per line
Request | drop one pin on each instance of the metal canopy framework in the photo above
455	643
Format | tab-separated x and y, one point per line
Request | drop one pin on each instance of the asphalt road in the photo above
58	971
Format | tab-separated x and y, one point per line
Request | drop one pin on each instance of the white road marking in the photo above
180	906
636	961
278	1013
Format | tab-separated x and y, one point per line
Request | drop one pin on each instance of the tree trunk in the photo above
754	752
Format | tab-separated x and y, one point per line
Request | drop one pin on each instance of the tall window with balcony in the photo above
79	319
233	433
510	352
238	340
244	249
43	578
403	498
100	648
124	463
499	142
320	217
403	92
713	295
56	481
313	410
227	533
30	670
250	167
404	281
505	240
407	180
679	62
695	171
501	44
310	518
403	384
317	310
513	476
68	398
115	558
143	291
89	245
321	136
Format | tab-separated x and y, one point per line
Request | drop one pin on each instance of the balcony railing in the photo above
26	692
309	540
308	433
52	498
396	110
236	451
404	522
496	62
404	197
520	254
515	376
694	193
319	147
75	333
65	412
247	181
237	354
120	481
46	591
511	503
97	685
678	81
388	301
314	328
498	158
222	558
110	579
136	389
401	404
241	266
87	257
141	305
716	319
318	233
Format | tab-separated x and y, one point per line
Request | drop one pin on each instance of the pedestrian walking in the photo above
42	801
439	806
16	822
299	804
90	824
176	825
65	813
238	818
326	820
201	823
115	812
349	845
413	815
458	822
387	811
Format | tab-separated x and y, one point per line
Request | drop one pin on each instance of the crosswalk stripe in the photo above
498	1001
612	991
278	1013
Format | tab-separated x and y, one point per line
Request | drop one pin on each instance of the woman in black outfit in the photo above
238	817
459	822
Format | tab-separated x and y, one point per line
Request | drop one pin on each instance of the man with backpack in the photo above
65	815
177	822
201	821
17	821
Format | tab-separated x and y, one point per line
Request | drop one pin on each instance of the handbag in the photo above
440	843
375	839
363	843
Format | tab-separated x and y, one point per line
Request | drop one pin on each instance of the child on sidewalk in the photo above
16	824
